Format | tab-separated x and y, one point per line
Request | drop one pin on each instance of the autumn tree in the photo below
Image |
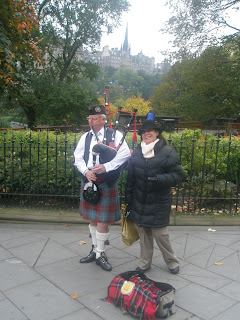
137	103
19	41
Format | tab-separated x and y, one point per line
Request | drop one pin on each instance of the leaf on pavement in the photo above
218	263
80	243
75	296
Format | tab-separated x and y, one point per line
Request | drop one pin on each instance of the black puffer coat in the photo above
150	201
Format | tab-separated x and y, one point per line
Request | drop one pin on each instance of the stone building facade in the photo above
122	57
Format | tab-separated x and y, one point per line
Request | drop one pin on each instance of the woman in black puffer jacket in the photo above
154	169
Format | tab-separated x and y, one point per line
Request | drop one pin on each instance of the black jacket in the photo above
150	201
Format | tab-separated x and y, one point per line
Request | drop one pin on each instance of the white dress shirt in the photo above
121	157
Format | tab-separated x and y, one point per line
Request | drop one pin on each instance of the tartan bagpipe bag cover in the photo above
142	297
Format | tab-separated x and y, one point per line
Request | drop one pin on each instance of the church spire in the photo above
125	43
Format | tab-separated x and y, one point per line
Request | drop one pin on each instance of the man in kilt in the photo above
107	210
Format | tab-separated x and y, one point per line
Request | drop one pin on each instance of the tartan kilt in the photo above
107	210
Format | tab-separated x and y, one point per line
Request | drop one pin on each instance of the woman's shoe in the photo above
142	270
175	270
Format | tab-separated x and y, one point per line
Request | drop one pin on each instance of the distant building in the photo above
117	58
122	57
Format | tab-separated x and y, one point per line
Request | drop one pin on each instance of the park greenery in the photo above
43	82
204	87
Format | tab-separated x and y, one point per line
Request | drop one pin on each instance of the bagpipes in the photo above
106	152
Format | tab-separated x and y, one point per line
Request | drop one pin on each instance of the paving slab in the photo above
83	314
9	311
5	254
75	278
203	277
230	267
194	245
30	252
9	234
231	290
53	252
22	240
41	300
13	273
235	246
67	236
202	302
2	296
230	314
217	237
210	255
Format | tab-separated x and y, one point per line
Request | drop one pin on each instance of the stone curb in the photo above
60	216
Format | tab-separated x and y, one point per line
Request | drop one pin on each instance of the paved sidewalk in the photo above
40	272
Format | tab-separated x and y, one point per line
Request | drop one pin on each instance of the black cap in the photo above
148	125
98	109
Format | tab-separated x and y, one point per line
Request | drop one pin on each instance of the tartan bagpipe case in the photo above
142	297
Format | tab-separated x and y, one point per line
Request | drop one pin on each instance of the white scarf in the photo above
148	149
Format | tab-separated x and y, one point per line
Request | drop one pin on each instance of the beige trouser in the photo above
161	237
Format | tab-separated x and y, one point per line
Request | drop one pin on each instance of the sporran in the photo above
91	193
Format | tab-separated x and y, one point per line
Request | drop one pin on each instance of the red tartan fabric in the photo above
141	302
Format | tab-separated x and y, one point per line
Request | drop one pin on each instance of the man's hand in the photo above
90	176
99	169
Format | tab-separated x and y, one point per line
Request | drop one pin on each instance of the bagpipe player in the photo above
104	175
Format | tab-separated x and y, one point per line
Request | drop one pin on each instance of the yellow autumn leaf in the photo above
80	243
212	230
74	296
218	263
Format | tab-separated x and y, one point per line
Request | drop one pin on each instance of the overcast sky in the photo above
144	19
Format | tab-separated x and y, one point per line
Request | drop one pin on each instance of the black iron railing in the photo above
36	170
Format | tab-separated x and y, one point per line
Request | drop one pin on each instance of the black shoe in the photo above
90	257
103	262
142	270
175	270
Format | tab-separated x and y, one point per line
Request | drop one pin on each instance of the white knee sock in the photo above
93	230
101	238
